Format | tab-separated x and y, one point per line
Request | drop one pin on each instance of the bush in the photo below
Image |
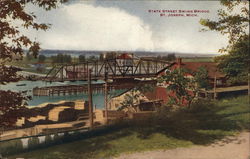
11	147
202	105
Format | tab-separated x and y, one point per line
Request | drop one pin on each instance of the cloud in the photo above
176	34
85	27
120	25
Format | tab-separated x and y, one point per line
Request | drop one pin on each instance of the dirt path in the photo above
229	148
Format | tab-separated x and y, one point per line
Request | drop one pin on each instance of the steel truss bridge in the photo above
112	69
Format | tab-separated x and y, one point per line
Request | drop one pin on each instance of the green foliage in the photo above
10	110
101	57
169	57
144	87
61	58
130	100
29	56
236	64
180	85
230	22
201	78
110	55
41	58
13	42
10	147
235	24
82	58
92	58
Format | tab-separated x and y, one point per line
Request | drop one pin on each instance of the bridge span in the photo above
118	68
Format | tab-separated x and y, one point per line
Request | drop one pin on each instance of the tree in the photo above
159	57
182	89
12	45
82	58
28	56
235	64
41	58
230	22
110	55
67	59
171	57
11	109
101	57
201	78
132	99
61	58
92	58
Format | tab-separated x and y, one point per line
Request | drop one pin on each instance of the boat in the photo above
21	84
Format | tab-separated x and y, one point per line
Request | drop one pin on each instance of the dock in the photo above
76	89
68	90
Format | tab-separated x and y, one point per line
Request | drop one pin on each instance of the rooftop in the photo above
194	66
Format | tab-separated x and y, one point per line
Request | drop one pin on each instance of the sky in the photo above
128	26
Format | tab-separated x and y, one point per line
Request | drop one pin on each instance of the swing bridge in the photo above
116	69
124	72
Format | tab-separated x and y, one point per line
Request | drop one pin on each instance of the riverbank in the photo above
46	117
201	125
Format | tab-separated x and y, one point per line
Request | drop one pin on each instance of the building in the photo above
216	79
213	73
163	94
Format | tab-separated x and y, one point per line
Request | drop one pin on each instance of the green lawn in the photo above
202	124
106	146
198	59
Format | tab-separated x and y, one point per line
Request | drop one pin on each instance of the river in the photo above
98	98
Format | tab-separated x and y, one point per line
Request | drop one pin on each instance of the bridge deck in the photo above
112	69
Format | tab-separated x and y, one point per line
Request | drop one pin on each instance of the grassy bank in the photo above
202	124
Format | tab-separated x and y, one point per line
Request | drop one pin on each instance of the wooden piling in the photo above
90	100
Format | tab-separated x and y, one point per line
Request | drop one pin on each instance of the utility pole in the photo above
90	100
215	81
106	96
248	76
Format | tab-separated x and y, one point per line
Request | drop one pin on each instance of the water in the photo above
98	98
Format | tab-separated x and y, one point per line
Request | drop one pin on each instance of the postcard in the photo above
124	79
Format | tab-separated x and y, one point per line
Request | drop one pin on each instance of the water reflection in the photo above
98	98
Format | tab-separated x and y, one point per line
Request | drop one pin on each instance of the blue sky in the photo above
127	25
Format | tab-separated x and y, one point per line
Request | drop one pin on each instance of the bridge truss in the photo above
113	69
